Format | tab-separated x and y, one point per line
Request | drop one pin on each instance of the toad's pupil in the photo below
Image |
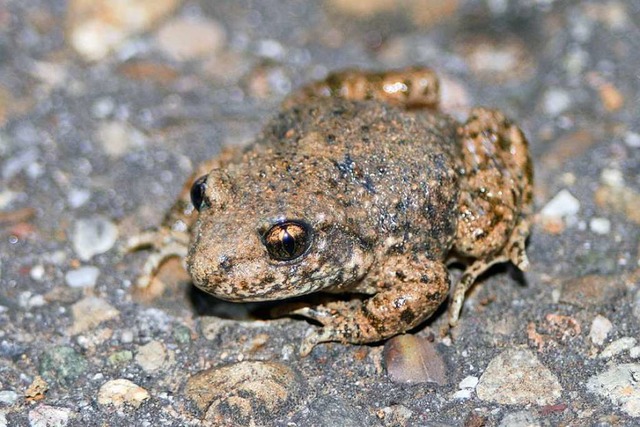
288	243
197	191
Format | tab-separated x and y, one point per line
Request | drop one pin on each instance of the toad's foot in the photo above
165	243
513	251
410	292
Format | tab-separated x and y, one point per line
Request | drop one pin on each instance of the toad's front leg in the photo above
410	289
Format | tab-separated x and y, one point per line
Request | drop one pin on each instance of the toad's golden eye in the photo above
287	240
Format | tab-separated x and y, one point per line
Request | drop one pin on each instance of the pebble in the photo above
62	363
519	419
463	394
632	139
556	101
154	356
634	353
600	328
331	411
122	392
93	236
37	273
186	39
619	384
3	420
89	312
617	347
83	277
468	382
612	177
119	138
592	290
412	359
517	377
97	27
563	205
8	397
49	416
245	393
600	225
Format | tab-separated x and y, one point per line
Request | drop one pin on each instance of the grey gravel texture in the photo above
102	119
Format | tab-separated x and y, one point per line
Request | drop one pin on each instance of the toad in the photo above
361	186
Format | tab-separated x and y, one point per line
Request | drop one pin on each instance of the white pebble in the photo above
83	277
468	382
617	347
37	272
564	204
634	353
93	236
600	328
632	139
600	225
612	177
463	394
556	101
8	397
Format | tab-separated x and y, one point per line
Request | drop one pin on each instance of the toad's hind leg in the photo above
495	198
412	87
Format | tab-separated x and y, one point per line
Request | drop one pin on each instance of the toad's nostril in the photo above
225	264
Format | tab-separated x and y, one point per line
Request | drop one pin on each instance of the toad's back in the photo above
394	173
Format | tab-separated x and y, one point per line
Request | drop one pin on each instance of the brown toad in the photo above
358	186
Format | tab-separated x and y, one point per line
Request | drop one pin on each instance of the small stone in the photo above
153	356
93	236
37	273
592	290
8	397
37	389
187	39
83	277
612	178
120	357
556	101
411	359
3	420
612	99
619	199
600	225
96	27
468	382
49	416
519	419
561	206
516	377
634	353
118	138
619	384
89	312
63	364
463	394
617	347
600	328
632	139
245	393
330	411
122	392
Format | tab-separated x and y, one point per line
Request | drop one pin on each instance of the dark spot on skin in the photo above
225	264
407	316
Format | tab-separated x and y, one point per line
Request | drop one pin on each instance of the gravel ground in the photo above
103	117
